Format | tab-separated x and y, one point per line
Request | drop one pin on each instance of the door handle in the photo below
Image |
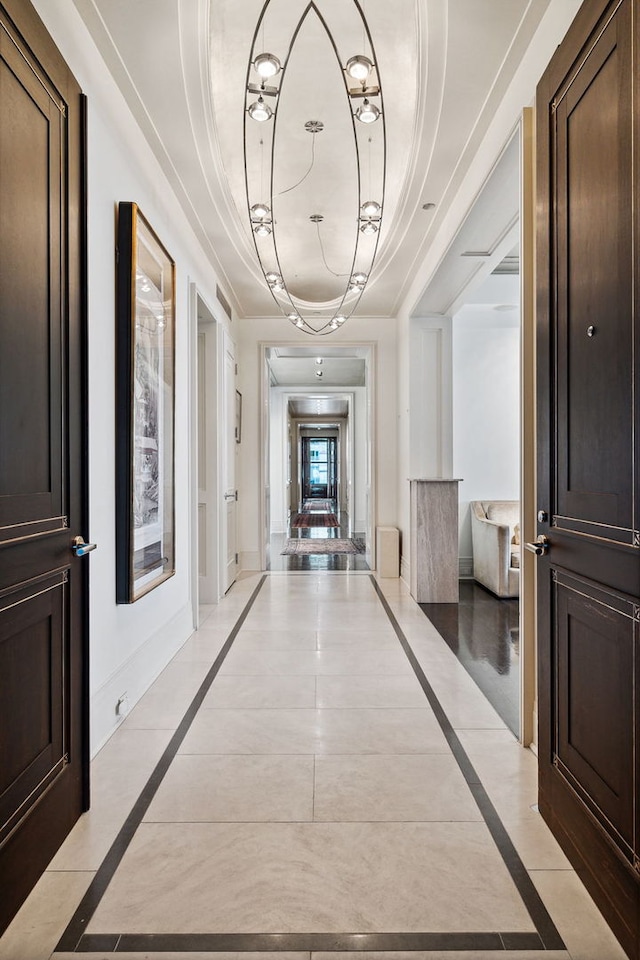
230	496
539	546
80	548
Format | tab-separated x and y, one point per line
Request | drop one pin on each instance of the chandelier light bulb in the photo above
262	230
267	66
261	111
367	112
260	211
359	68
370	208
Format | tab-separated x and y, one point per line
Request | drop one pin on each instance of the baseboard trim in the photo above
465	567
405	571
136	674
250	560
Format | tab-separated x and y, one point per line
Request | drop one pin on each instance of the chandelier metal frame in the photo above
366	236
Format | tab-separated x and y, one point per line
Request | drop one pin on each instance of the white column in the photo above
430	397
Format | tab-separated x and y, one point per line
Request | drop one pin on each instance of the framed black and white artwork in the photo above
145	397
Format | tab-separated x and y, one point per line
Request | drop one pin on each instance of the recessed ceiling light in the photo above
318	373
428	206
359	278
318	360
262	230
369	228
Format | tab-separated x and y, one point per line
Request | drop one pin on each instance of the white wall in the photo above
277	459
358	505
130	644
250	335
486	410
521	93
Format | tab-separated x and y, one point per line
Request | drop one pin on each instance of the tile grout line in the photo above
305	943
104	874
532	900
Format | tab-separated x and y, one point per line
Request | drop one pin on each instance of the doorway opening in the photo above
317	452
481	294
319	468
214	557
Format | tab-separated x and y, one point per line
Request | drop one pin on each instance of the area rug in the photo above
304	520
309	545
317	506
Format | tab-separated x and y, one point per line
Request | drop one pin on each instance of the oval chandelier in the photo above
359	231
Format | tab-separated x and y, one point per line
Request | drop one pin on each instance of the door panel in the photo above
32	657
30	254
596	636
594	231
589	580
43	587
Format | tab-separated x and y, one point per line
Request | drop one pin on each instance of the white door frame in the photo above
263	440
346	452
204	321
227	459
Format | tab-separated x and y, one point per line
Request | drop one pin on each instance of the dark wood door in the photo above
589	430
43	748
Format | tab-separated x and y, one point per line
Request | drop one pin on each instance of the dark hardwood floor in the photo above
484	634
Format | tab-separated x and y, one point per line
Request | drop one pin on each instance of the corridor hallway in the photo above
319	522
313	773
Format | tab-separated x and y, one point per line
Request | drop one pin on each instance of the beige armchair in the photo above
495	533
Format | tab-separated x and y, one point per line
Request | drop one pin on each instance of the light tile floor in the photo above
314	792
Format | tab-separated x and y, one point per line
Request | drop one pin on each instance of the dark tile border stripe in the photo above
305	942
75	940
87	907
545	926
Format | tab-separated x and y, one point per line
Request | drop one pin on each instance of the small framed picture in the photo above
145	392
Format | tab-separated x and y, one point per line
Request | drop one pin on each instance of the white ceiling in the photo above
317	408
443	65
299	366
